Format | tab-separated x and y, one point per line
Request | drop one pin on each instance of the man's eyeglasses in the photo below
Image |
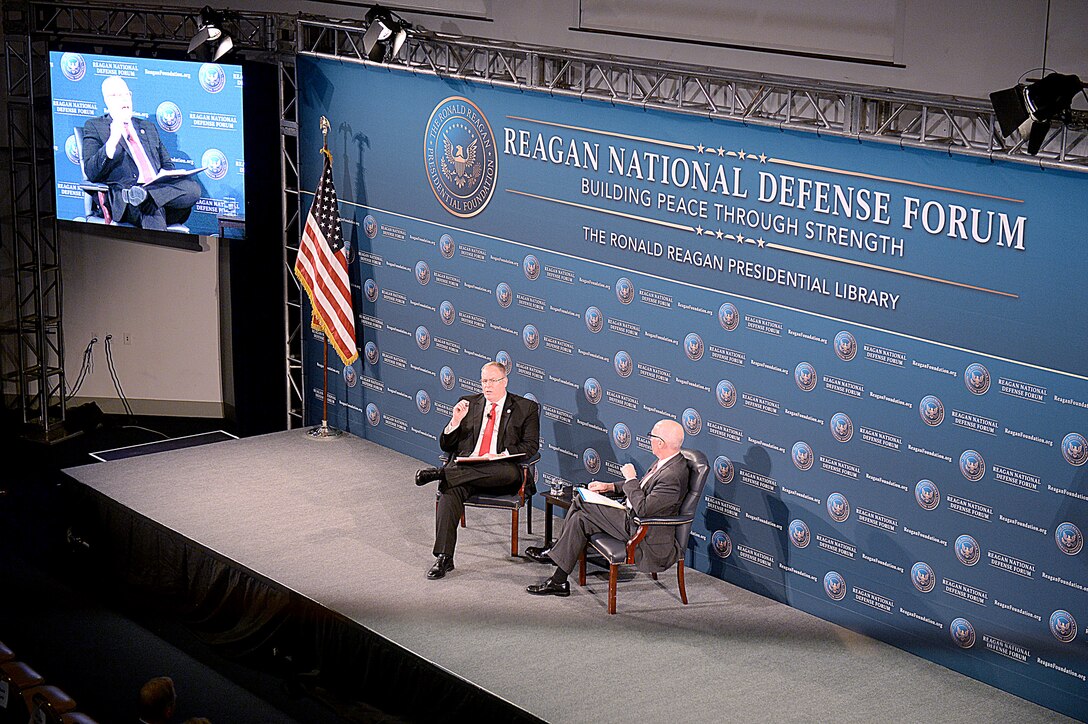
494	381
650	434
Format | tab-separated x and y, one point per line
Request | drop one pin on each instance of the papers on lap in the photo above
588	496
484	458
174	173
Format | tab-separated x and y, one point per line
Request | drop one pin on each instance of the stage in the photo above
331	540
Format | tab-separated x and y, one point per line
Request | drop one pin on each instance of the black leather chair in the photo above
513	502
16	678
618	552
96	208
48	704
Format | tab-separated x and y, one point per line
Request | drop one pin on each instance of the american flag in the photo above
322	269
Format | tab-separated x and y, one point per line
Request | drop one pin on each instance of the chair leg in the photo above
582	569
529	516
653	576
680	580
514	532
613	576
462	520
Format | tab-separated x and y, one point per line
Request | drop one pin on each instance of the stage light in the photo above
1032	107
384	33
211	41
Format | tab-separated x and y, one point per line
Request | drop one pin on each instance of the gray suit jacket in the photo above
662	496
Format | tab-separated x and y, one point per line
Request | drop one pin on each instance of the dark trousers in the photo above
169	201
582	521
461	482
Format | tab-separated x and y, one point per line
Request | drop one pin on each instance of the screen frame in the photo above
192	241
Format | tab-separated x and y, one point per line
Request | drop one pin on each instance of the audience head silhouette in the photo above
158	700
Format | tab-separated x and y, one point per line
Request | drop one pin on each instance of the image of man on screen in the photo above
125	152
497	428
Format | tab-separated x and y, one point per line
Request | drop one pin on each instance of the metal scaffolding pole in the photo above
31	343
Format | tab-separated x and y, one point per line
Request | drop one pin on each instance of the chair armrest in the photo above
635	540
644	525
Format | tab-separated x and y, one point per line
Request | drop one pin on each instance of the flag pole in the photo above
324	431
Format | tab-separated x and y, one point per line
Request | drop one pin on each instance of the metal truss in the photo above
942	123
31	343
146	26
291	227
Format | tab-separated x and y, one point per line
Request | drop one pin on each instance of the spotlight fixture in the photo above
211	41
1033	106
385	33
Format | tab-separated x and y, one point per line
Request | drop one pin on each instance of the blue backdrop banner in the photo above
877	347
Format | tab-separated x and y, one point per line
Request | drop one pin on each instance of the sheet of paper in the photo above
484	459
175	172
589	496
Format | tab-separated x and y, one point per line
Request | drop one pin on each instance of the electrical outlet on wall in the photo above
126	338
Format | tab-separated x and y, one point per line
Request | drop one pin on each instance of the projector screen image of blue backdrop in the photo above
195	109
880	349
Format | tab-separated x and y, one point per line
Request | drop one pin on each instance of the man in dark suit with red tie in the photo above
658	492
125	152
492	425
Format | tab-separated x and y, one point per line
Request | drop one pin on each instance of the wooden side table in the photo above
550	501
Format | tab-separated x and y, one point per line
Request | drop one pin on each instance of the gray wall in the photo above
947	47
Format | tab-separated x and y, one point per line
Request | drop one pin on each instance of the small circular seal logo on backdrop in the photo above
846	347
835	586
728	316
621	434
168	116
800	535
592	390
967	550
962	632
73	66
977	378
721	543
927	494
921	575
932	410
802	455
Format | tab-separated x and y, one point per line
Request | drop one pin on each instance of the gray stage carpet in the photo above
340	522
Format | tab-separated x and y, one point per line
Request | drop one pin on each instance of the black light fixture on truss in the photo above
385	32
1033	106
211	41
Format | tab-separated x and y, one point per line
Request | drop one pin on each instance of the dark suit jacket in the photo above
519	427
663	495
120	172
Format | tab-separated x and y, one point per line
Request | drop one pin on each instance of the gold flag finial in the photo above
325	126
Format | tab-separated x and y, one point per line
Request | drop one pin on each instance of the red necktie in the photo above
489	429
142	162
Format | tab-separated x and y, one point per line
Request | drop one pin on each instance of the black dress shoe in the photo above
441	566
540	555
428	475
547	588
